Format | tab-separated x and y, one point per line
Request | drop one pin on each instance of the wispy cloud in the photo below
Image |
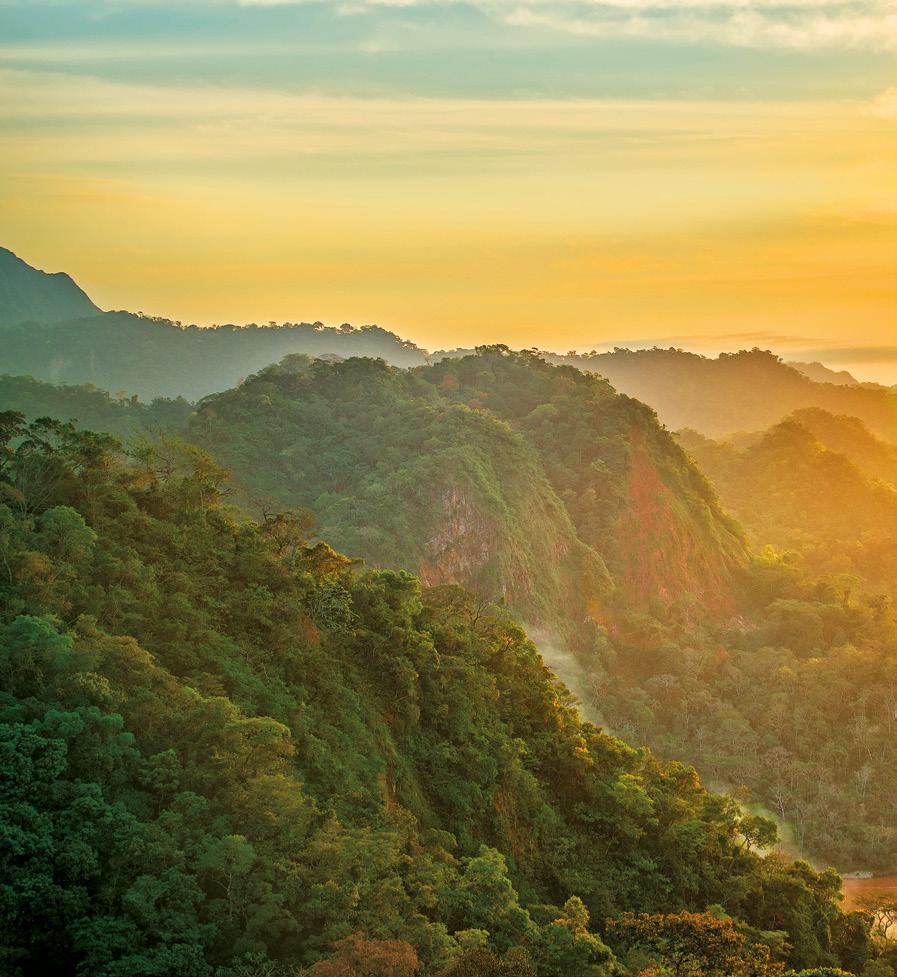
789	24
799	24
884	106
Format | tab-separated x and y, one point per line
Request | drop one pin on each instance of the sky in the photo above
568	174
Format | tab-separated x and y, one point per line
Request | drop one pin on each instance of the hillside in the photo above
850	437
541	488
478	451
228	751
630	491
154	357
745	391
816	483
30	295
120	351
98	410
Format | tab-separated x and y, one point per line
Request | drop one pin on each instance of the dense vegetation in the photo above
540	488
154	357
447	469
794	703
95	409
230	752
817	485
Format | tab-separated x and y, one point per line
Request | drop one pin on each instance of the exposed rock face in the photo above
665	550
459	549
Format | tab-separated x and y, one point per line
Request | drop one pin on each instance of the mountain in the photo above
227	751
154	357
819	373
733	392
546	492
850	437
29	295
816	483
497	471
150	357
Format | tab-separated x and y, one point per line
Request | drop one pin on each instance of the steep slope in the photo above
630	491
744	391
30	295
851	438
497	471
222	753
149	357
399	477
760	701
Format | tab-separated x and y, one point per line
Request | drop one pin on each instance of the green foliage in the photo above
205	773
693	945
772	682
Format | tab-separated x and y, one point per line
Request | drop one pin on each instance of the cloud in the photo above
798	24
884	106
795	24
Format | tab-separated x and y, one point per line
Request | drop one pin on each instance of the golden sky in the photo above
730	215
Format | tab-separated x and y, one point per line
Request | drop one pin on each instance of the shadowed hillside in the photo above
819	484
541	488
120	351
29	295
734	392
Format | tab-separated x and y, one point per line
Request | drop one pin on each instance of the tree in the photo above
883	909
565	946
694	945
357	956
481	962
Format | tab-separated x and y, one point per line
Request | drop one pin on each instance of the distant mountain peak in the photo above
819	373
28	294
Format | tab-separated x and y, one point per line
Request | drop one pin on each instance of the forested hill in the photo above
733	392
150	357
498	471
227	752
27	294
540	487
817	484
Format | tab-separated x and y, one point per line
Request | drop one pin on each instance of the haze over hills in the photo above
823	374
733	392
819	484
541	488
29	295
538	486
478	450
152	357
401	632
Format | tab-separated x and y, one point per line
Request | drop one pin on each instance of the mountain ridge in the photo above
29	294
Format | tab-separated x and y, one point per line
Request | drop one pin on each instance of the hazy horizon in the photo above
865	364
554	174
